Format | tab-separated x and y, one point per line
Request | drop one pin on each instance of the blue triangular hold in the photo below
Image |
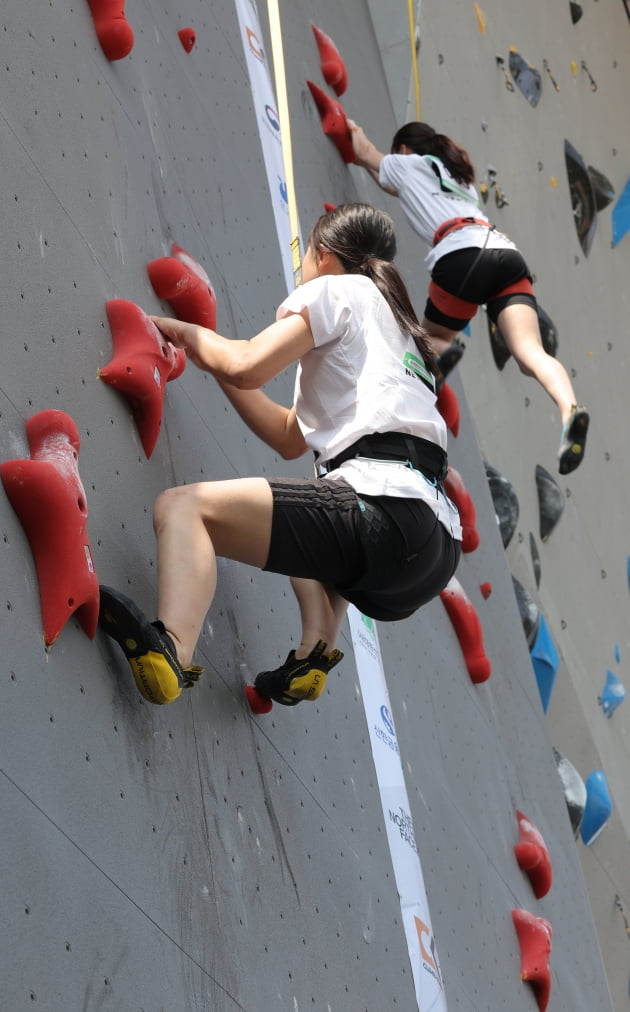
613	695
545	659
621	215
598	807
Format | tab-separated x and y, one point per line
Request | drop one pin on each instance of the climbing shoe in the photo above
448	360
298	679
573	440
148	648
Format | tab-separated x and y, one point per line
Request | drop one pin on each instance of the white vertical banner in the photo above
396	811
268	127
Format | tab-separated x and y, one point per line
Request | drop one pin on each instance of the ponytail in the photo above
423	140
363	239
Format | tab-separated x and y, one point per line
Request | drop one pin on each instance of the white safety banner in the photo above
268	127
397	814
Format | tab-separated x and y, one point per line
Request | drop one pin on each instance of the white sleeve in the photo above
329	310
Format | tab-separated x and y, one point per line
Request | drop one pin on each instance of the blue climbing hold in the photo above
617	654
621	215
545	659
613	695
598	807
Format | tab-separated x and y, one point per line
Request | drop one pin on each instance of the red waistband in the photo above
453	224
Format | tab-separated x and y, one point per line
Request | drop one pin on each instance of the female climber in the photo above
470	264
374	526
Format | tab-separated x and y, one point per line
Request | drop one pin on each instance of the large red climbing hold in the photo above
143	363
334	122
457	491
448	406
532	856
187	37
47	494
333	68
534	936
112	28
467	625
184	284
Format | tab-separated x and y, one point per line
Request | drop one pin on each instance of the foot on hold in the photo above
148	648
449	359
573	440
298	678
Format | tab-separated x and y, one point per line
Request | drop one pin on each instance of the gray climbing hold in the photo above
582	197
529	612
533	551
527	78
505	502
551	501
574	790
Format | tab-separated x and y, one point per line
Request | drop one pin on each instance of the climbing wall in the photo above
195	856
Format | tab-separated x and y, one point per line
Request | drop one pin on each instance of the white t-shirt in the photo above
364	376
427	202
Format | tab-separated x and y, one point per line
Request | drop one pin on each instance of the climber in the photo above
470	264
374	527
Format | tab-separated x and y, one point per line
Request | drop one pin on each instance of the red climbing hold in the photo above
112	28
334	122
532	856
457	491
329	207
183	283
47	494
448	406
486	589
534	936
468	628
143	363
187	37
257	702
333	68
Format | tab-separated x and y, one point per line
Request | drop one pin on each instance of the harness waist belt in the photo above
453	224
422	454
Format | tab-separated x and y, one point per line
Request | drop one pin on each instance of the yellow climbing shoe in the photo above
148	648
298	679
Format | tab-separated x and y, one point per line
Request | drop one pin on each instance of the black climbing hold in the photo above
574	790
505	502
533	551
603	189
576	11
582	197
551	501
529	612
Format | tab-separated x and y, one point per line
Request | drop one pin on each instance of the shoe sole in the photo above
571	457
123	621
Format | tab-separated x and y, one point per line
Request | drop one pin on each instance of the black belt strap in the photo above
422	454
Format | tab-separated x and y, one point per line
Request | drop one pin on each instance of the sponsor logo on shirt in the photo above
415	367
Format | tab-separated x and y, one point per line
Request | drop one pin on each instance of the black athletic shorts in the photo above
387	556
468	278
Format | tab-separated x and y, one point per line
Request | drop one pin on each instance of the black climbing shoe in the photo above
148	648
298	679
573	440
448	360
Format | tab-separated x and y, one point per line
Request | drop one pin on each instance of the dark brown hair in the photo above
363	239
423	140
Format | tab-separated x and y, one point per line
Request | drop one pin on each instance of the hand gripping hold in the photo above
144	361
468	628
47	494
183	283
